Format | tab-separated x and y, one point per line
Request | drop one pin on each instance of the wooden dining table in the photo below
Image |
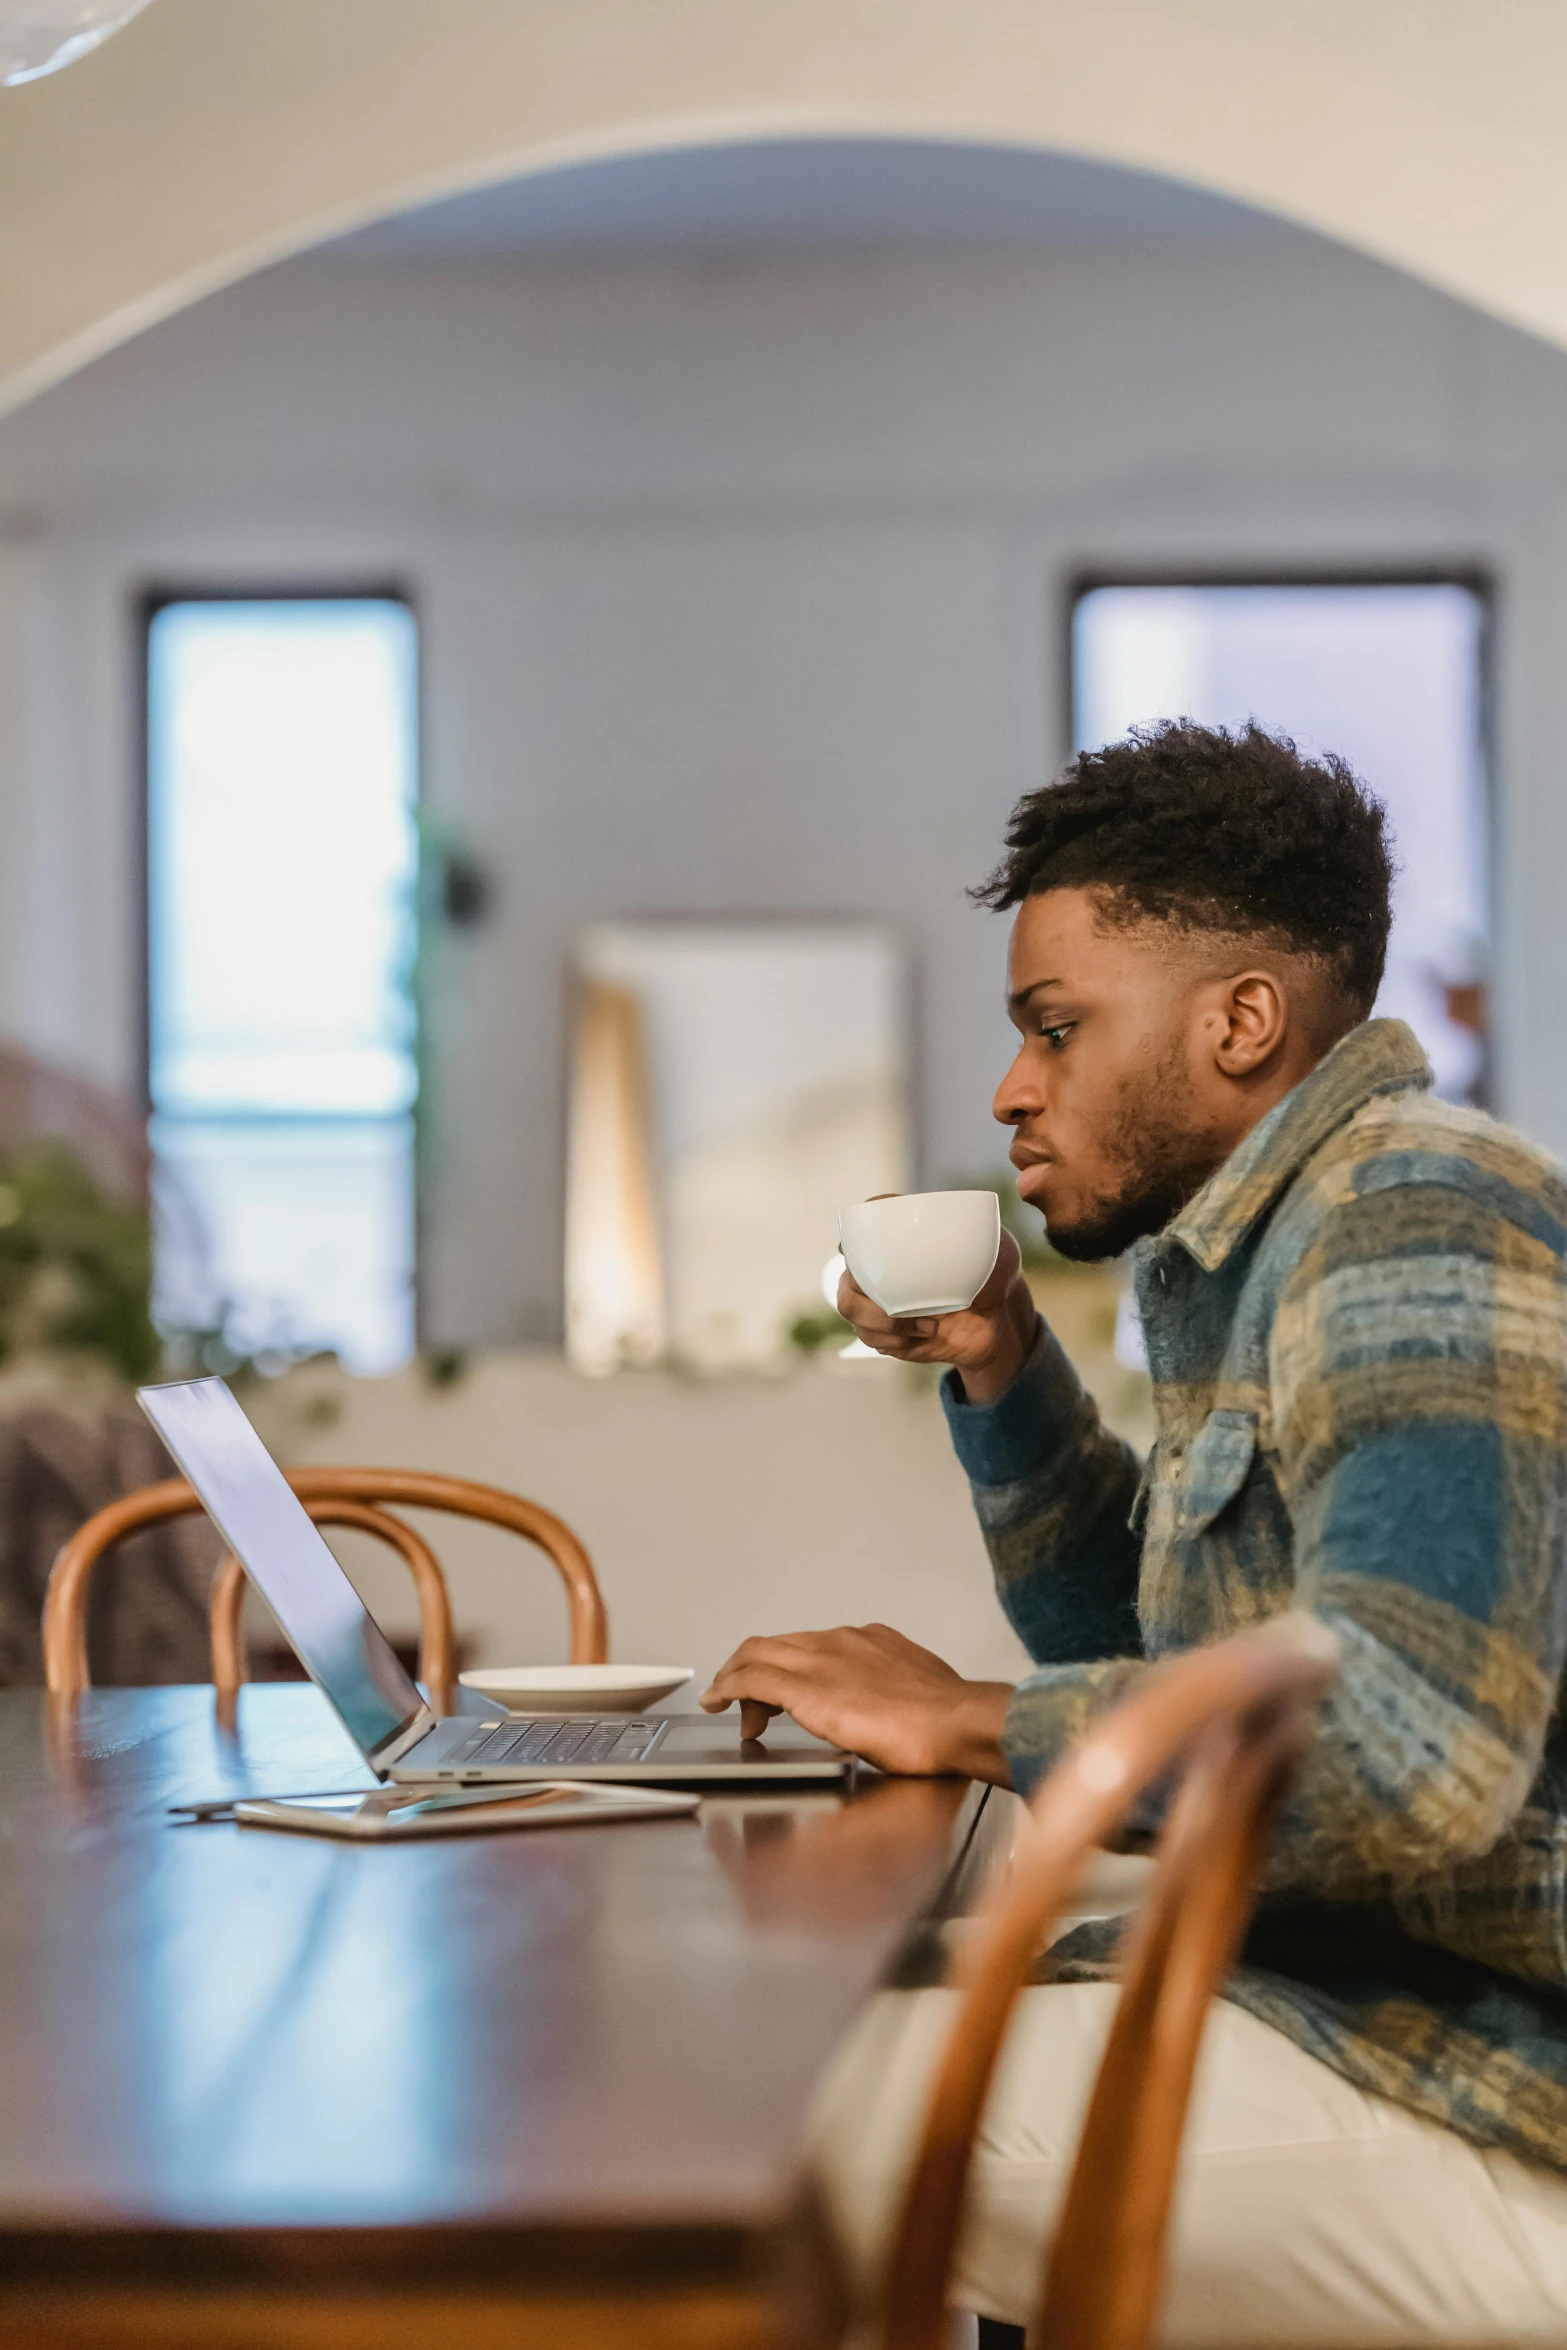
551	2087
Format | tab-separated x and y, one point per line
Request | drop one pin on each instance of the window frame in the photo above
1478	578
153	597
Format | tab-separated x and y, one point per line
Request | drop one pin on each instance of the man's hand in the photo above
874	1693
988	1342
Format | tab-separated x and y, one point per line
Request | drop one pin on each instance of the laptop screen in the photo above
254	1509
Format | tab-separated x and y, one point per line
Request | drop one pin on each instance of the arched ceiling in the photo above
214	136
813	194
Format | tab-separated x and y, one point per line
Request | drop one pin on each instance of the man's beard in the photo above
1160	1165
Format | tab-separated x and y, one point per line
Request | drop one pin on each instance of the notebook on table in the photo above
395	1815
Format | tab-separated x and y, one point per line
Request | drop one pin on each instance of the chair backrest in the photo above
1232	1718
437	1640
333	1497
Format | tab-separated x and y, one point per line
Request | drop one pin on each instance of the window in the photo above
1388	674
281	870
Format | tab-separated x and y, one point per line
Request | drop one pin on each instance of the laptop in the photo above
350	1660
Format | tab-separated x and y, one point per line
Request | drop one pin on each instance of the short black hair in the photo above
1213	830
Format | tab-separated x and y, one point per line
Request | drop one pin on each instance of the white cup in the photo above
922	1252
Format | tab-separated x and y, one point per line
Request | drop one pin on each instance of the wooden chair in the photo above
1233	1718
333	1497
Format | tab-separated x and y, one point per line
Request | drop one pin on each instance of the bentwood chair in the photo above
1232	1720
333	1497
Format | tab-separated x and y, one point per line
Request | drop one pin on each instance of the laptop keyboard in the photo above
550	1742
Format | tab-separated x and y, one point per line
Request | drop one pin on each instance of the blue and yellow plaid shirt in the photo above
1358	1338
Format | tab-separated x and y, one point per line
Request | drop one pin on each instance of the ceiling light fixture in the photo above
39	36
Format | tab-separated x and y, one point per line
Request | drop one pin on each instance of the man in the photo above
1354	1303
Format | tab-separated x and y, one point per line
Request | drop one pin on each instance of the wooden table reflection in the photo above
258	2088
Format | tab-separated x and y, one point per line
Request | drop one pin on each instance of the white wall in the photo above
742	584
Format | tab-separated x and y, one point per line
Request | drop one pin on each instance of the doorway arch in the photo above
204	143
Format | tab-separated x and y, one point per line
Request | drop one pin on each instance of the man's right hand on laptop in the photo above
873	1692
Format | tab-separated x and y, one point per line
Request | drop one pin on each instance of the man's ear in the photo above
1255	1017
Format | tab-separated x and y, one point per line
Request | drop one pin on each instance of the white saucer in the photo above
573	1689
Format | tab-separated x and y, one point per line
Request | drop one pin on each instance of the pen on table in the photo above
221	1807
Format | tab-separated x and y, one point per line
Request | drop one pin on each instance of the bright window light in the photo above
1389	676
282	864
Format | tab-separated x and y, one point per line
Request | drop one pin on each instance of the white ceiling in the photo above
807	193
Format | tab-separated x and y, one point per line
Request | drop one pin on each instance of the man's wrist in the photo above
972	1739
1015	1343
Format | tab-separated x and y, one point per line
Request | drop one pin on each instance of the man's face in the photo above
1110	1094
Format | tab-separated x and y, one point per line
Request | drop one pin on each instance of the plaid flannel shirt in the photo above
1358	1338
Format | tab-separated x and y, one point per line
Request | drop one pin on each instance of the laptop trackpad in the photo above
784	1748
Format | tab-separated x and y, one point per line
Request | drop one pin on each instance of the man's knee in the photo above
871	2111
1308	2213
